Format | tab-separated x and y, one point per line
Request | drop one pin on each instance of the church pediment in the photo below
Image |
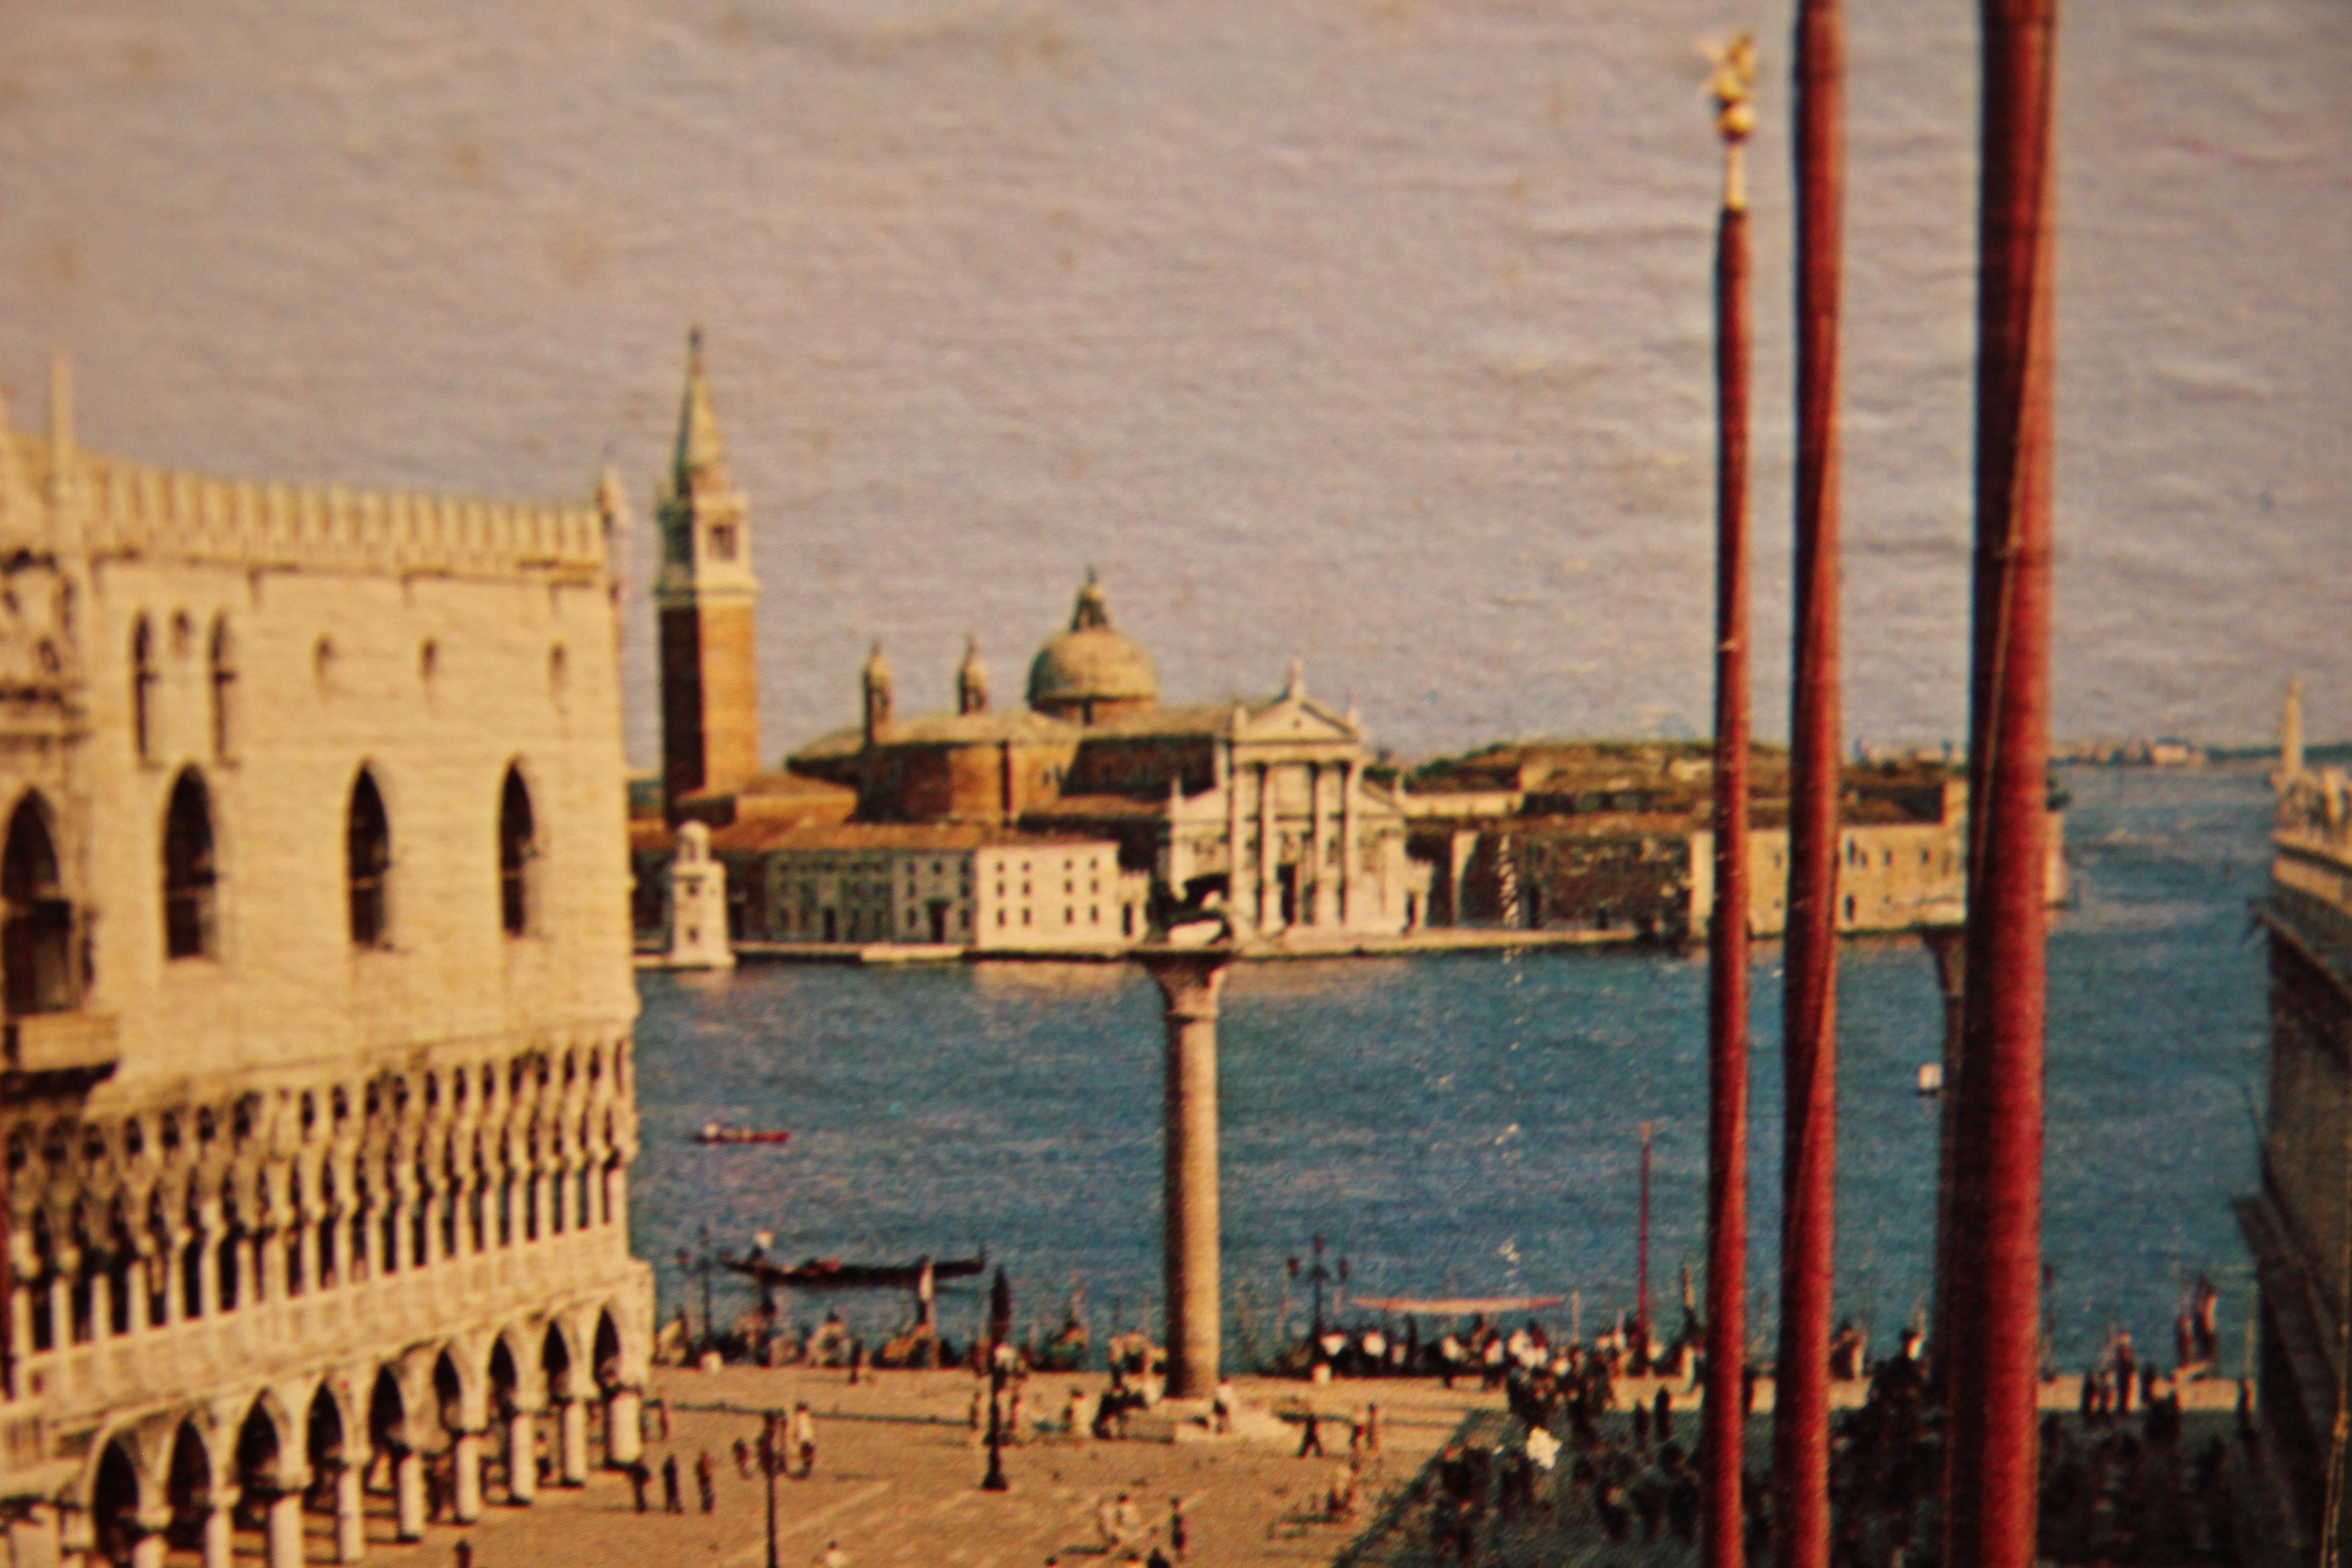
1292	720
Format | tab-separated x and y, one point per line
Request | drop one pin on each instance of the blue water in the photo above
1471	1123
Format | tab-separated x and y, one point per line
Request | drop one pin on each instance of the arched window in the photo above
188	876
224	672
36	931
516	849
142	690
368	862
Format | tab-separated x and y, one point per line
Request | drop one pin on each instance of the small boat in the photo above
1931	1079
711	1132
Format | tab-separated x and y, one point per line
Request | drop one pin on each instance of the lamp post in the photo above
1318	1277
1000	1365
771	1459
692	1264
1000	1368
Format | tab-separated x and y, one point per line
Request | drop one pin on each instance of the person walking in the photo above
804	1439
702	1481
1661	1421
638	1477
465	1553
742	1458
832	1556
1310	1440
670	1500
1176	1527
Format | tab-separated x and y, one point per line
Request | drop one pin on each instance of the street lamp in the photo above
1319	1277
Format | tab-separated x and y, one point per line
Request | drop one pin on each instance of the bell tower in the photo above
705	594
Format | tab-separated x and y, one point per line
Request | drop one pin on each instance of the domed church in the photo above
1095	755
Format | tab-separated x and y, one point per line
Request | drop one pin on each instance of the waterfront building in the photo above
964	884
317	1101
2298	1224
1612	837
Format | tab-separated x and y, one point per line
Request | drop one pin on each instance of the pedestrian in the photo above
1159	1559
1640	1425
856	1360
702	1483
1176	1526
661	1413
465	1553
1663	1422
670	1502
1107	1524
1310	1439
742	1458
832	1556
638	1477
804	1439
1372	1429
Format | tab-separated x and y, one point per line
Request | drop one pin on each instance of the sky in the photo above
1375	334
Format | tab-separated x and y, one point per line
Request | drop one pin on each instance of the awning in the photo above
1455	1306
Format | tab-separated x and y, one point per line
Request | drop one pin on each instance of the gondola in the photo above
833	1274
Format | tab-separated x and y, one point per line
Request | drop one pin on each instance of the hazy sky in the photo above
1374	331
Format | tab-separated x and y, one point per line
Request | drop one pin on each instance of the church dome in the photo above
1091	669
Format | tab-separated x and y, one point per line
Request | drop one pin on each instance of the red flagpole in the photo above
1800	1513
1722	1423
1990	1503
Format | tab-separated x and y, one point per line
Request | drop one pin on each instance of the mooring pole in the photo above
1641	1253
1800	1396
1996	1264
1721	1423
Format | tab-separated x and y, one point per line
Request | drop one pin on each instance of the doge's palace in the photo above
317	1097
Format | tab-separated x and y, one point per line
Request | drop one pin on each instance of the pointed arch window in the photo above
223	683
518	847
368	863
36	930
189	881
142	689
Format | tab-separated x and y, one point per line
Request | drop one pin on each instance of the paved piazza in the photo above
898	1477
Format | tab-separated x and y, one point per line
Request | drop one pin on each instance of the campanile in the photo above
705	595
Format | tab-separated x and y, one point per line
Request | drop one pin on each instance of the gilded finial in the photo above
1732	85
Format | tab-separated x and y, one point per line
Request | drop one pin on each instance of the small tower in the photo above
697	905
706	596
972	680
875	686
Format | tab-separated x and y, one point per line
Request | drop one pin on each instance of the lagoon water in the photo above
1471	1122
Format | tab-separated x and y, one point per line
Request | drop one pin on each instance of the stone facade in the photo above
318	1093
2298	1224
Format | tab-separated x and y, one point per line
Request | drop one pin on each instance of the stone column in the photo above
102	1305
1190	980
1347	843
522	1456
1268	911
574	1419
408	1495
469	1456
625	1441
1234	903
1317	911
147	1551
220	1520
351	1513
284	1536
